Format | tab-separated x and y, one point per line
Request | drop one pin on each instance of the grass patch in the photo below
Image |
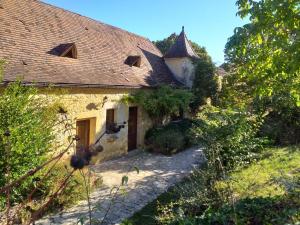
257	180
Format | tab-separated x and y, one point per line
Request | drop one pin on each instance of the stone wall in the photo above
92	103
183	69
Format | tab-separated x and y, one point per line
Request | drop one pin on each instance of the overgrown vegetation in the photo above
229	136
74	191
26	136
265	66
27	141
205	84
161	103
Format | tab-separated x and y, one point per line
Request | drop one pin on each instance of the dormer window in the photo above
68	50
134	60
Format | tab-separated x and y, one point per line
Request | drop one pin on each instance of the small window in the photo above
134	60
110	121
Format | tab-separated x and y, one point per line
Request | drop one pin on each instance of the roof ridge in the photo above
89	18
189	43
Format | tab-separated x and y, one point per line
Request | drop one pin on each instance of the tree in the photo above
265	53
165	44
264	60
26	124
205	83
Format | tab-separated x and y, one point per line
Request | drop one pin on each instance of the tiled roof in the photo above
181	48
33	35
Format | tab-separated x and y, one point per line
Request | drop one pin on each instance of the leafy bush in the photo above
229	137
161	103
282	120
26	124
170	138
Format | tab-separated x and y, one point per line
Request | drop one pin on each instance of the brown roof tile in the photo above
33	34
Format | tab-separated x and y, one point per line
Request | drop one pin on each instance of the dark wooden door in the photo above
132	128
83	132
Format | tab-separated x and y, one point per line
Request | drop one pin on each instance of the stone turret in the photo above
179	59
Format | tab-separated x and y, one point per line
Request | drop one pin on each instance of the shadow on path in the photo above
156	174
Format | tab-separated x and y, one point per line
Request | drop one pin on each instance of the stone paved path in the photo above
157	174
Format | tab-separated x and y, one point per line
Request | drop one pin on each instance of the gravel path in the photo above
157	173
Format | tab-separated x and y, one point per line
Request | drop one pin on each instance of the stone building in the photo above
95	65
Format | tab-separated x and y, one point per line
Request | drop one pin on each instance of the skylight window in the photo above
134	60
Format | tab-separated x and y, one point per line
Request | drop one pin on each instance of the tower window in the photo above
134	60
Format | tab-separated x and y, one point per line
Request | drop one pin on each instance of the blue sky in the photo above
208	22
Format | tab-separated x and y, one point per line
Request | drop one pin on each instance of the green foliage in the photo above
165	44
162	102
282	129
205	83
29	122
169	139
263	51
230	135
265	63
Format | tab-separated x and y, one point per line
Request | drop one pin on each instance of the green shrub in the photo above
167	142
282	130
27	122
230	138
170	138
205	83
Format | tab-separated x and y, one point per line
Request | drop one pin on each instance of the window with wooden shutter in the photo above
110	120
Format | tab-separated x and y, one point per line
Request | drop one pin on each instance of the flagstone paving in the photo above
156	174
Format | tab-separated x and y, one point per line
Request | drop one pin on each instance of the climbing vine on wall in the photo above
162	102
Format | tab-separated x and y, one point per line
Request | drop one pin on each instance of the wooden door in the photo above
132	128
83	132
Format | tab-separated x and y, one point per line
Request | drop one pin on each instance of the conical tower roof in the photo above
181	48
